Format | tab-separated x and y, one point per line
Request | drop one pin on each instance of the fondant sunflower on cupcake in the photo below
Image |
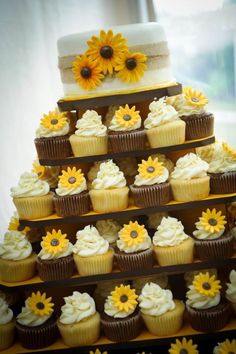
183	347
226	347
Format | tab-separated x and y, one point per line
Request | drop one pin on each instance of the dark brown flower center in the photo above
54	242
85	72
106	52
126	117
72	180
124	298
133	234
183	351
54	121
194	99
40	305
131	63
212	222
150	169
20	228
206	286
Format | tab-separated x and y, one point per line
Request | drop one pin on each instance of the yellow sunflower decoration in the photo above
150	168
206	285
227	347
40	305
71	178
14	225
54	242
130	67
213	221
194	97
87	73
97	351
183	347
54	120
229	151
39	169
132	234
105	49
127	117
124	298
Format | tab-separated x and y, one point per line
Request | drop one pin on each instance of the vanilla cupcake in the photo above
92	254
231	289
109	191
90	138
151	186
17	261
159	279
47	173
109	229
79	323
52	139
226	347
163	126
7	325
32	197
134	248
189	180
125	132
161	314
72	197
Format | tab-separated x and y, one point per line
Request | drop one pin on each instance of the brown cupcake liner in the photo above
222	183
155	195
72	205
122	329
127	141
209	320
39	336
53	148
138	260
56	269
198	125
221	248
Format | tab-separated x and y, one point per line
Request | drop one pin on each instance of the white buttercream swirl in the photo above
78	307
159	279
46	255
142	246
109	177
28	318
6	314
90	125
108	229
202	234
116	127
169	233
43	132
231	287
73	189
155	301
90	243
154	219
184	108
161	113
140	181
15	246
111	310
30	186
199	301
222	163
190	166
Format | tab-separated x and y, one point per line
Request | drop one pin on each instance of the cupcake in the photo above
36	326
47	173
171	244
109	191
32	197
52	139
72	197
134	248
121	320
92	254
183	347
125	132
109	229
90	138
190	107
159	279
211	240
55	260
102	291
189	276
167	163
151	186
231	289
7	325
79	323
189	180
226	347
207	311
161	314
163	126
17	261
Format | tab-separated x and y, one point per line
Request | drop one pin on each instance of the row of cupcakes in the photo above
123	315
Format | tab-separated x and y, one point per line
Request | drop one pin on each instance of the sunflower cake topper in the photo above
107	54
40	305
206	285
183	347
150	168
194	97
228	150
227	347
124	298
54	242
54	120
212	221
71	177
127	117
132	234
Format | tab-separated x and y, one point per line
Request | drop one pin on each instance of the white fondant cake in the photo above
145	38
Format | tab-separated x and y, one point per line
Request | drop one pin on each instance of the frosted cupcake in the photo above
161	314
47	173
36	325
171	244
92	254
17	260
90	138
134	247
52	139
7	325
32	197
163	126
55	260
226	347
189	180
207	312
109	229
231	289
79	323
183	347
109	192
72	197
121	320
159	279
125	132
211	240
151	186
